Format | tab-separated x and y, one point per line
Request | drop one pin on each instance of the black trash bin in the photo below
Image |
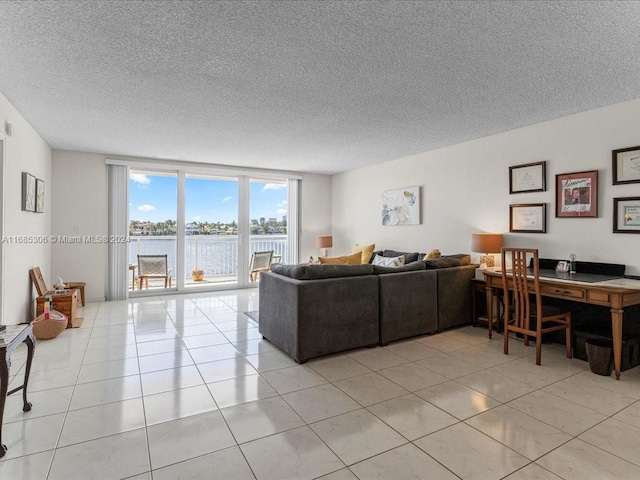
599	352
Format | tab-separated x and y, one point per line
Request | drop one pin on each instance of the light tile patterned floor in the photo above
184	387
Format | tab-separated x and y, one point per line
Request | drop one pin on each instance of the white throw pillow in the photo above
388	261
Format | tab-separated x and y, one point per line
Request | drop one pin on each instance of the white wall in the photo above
465	189
80	180
80	209
25	151
315	213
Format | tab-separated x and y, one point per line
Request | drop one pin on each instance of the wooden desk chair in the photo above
153	266
260	262
524	316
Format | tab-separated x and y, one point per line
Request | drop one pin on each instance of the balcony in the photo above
216	255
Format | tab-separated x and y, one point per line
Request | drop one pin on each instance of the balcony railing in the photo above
216	255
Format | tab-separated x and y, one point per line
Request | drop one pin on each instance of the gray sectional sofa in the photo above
314	310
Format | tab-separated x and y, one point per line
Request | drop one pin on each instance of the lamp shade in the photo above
486	242
324	241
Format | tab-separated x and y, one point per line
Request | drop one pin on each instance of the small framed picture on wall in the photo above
626	165
530	177
28	192
577	194
39	196
626	215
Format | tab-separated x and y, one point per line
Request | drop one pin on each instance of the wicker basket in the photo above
45	328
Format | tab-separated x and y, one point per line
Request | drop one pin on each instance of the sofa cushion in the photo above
408	256
417	265
353	259
365	250
374	253
389	261
316	272
298	272
448	261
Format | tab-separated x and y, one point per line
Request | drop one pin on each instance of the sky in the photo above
153	198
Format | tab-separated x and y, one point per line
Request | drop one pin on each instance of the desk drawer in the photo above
560	292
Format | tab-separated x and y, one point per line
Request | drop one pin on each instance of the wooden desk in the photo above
615	293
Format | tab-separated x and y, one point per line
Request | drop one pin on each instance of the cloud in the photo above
197	218
281	211
282	204
140	178
226	199
146	208
273	186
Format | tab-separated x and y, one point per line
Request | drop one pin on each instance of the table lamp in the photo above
324	243
486	243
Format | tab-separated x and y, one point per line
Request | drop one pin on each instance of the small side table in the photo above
78	286
479	308
132	268
10	339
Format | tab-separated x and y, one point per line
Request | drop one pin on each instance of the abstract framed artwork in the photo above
39	196
401	206
528	218
530	177
626	215
28	192
626	165
577	194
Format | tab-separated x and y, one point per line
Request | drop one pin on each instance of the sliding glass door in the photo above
211	230
152	229
206	227
268	215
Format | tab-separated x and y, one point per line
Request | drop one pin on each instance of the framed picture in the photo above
626	165
626	215
39	196
28	192
577	194
530	177
401	207
528	218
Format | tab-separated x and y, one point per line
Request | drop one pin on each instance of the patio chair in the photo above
260	262
153	266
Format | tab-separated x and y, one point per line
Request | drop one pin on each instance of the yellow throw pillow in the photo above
366	250
433	254
353	259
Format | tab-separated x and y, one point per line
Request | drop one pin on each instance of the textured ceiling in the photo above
307	86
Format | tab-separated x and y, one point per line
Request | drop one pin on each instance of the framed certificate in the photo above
530	177
528	218
626	165
626	215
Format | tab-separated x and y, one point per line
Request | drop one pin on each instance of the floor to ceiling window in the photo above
207	225
211	230
152	229
268	213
